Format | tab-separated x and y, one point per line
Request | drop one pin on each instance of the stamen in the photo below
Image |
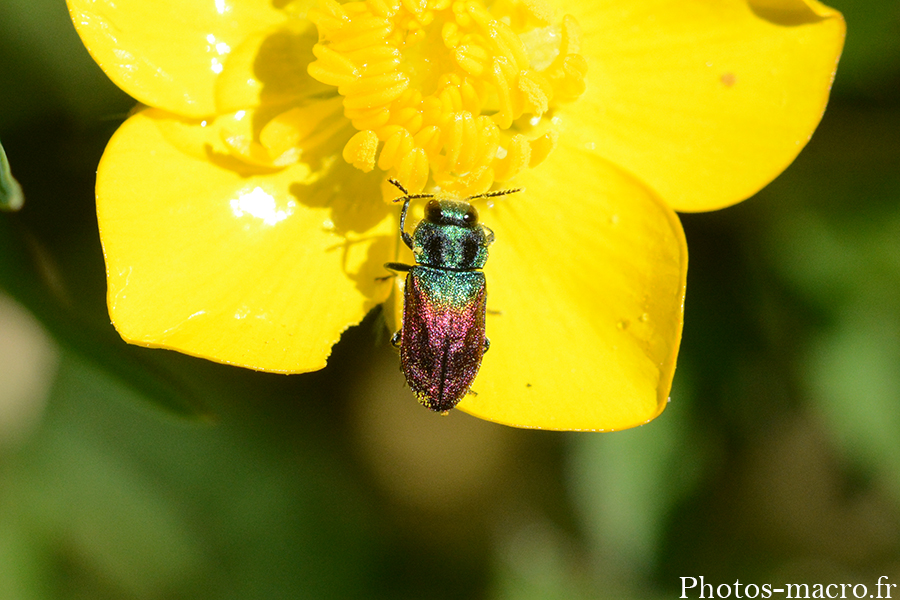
361	149
454	93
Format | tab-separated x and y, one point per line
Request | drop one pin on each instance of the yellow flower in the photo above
245	214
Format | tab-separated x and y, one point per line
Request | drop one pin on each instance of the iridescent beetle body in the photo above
442	338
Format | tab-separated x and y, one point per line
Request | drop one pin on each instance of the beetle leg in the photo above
406	197
392	266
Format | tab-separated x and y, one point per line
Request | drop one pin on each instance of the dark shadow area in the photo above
790	13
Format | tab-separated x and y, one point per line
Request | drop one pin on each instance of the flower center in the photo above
447	90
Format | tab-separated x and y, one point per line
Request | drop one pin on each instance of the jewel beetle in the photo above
442	337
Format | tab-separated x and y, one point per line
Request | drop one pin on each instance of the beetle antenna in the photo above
495	193
399	186
406	197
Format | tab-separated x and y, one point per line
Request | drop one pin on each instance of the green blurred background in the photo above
777	461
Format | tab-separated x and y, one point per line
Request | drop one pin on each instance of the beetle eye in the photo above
471	216
433	212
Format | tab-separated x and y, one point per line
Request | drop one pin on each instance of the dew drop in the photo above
614	219
644	318
328	225
623	324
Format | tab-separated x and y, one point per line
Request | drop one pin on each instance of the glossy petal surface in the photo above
705	101
169	54
262	269
588	276
268	68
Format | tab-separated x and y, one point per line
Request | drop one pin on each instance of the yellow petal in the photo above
212	257
587	274
705	101
169	54
269	68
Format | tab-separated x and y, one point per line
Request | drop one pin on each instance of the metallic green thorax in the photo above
449	237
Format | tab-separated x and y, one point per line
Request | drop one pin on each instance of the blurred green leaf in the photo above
29	273
870	64
107	502
21	565
538	562
854	373
627	483
101	505
11	197
46	70
836	242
